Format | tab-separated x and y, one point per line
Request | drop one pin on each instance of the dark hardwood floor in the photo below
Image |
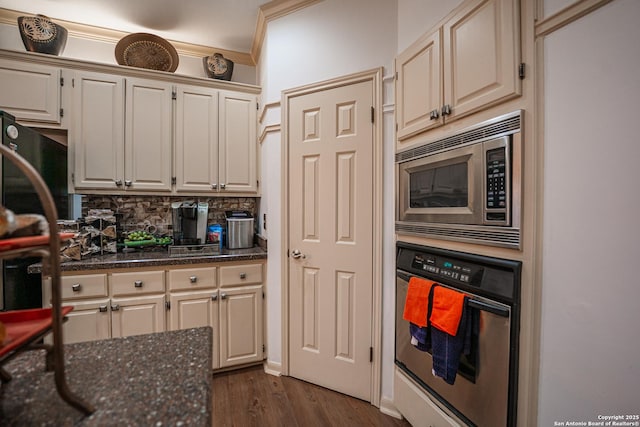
250	397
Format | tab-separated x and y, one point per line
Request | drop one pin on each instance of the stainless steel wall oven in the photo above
465	187
485	390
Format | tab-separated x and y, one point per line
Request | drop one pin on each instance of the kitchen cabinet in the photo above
96	136
112	305
216	146
193	302
241	318
467	64
238	143
32	93
228	297
196	154
121	133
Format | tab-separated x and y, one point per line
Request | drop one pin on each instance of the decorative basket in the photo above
40	34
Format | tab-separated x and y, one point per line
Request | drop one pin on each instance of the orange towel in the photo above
447	309
417	302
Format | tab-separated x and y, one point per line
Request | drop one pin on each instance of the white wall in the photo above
590	349
327	40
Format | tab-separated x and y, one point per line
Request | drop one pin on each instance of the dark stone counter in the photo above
155	258
161	379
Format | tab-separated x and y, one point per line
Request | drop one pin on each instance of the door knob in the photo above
296	254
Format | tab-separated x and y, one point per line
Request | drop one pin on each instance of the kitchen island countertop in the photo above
155	379
154	258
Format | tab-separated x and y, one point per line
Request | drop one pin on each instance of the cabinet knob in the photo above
137	283
243	275
103	308
118	182
222	185
76	287
434	114
193	279
167	305
214	297
115	307
214	186
127	183
223	296
446	110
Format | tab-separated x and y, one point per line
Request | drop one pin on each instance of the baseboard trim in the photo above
388	408
272	368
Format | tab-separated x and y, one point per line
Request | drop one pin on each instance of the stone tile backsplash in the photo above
156	210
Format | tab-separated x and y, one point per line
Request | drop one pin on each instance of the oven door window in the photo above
440	187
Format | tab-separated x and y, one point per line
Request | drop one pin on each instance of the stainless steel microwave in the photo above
465	187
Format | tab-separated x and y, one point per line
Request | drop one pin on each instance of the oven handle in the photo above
480	305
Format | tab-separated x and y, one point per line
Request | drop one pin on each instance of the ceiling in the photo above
225	24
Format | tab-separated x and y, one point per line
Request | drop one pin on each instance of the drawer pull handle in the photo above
243	275
76	287
223	296
103	308
115	307
193	279
214	297
137	283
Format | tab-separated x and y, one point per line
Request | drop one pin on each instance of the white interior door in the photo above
331	180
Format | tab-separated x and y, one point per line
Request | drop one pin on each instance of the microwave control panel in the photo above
496	189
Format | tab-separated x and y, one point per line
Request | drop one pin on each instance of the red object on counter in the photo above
21	325
28	241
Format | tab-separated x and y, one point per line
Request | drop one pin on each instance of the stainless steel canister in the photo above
240	229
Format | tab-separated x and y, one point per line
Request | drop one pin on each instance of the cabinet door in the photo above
148	135
238	149
89	321
96	135
481	56
196	162
419	86
194	310
137	315
241	335
30	92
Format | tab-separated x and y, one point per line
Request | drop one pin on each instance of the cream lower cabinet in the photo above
241	318
193	301
469	63
227	297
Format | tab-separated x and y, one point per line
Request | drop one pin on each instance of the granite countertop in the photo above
156	379
143	258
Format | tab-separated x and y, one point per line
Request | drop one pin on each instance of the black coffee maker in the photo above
189	222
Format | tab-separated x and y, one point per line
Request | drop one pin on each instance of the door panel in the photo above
331	217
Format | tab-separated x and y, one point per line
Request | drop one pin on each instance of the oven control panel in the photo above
442	267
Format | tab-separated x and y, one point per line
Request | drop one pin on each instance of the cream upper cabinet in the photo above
237	143
121	133
31	93
419	86
469	63
148	135
96	135
196	153
482	55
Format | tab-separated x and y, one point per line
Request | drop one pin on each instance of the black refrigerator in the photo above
21	290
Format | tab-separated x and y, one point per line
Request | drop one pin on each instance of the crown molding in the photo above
270	11
89	32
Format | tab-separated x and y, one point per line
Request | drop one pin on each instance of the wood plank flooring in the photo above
250	397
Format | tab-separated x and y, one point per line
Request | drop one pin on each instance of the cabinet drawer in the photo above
84	286
240	275
141	282
192	278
